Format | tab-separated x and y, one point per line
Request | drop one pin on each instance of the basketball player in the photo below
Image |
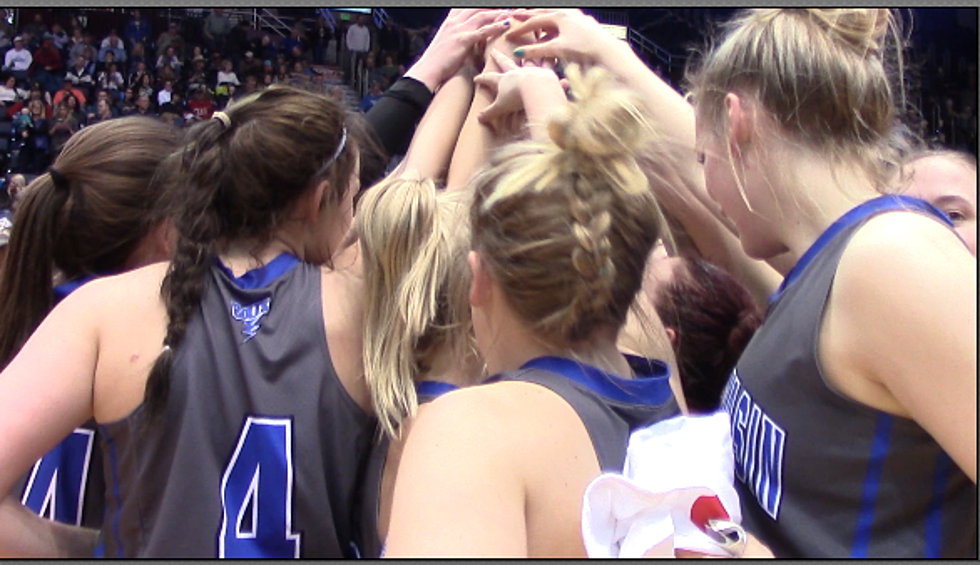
856	399
948	181
204	370
99	211
561	232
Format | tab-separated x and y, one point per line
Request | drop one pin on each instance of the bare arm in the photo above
903	313
43	397
432	146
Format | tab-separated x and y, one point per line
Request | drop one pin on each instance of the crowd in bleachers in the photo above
60	75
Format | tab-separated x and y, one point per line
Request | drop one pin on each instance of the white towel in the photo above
669	465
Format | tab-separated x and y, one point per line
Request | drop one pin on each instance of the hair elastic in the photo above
59	180
223	118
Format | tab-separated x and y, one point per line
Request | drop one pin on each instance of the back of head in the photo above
713	318
103	195
241	172
829	79
414	240
565	226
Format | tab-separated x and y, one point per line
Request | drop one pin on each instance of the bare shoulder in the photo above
904	241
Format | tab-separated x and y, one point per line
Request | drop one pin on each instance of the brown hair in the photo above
239	174
713	317
825	77
105	197
565	226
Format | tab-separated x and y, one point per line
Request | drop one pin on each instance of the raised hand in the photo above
453	43
568	35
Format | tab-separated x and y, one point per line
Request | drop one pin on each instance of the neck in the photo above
814	196
514	345
243	255
444	367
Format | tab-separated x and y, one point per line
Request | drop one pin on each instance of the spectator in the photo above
237	42
227	74
321	37
267	49
136	56
201	104
296	38
36	29
372	71
173	111
58	36
103	112
251	85
217	26
79	43
358	43
9	93
34	155
136	77
143	107
67	88
165	94
137	30
81	75
198	78
62	127
389	39
111	79
297	54
128	104
371	97
167	73
92	111
113	44
250	66
390	70
169	38
169	57
18	60
47	66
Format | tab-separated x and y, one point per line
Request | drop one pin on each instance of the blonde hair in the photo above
414	240
826	77
565	226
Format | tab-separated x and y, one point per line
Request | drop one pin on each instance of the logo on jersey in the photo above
251	316
759	444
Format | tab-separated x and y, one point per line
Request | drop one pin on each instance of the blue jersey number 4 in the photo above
56	488
257	493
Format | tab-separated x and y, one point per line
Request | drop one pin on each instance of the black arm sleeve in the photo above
394	117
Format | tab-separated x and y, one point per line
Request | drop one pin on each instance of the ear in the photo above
740	121
672	336
316	202
165	238
480	287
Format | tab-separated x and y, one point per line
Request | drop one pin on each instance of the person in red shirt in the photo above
201	104
47	65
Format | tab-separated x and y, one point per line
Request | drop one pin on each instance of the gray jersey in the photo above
260	448
610	407
820	475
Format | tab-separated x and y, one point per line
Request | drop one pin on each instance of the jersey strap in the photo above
887	203
650	387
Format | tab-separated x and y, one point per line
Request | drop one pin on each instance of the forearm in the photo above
432	146
475	141
25	534
542	98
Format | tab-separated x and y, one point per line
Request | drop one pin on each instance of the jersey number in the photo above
257	493
56	488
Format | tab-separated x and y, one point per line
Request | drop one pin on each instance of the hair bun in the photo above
862	28
602	122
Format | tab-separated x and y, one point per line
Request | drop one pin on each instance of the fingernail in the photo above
506	23
519	52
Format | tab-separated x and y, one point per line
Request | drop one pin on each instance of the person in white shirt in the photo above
18	59
227	74
163	97
358	42
9	93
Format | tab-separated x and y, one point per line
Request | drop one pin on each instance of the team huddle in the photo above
253	341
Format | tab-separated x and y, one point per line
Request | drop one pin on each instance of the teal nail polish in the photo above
519	52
